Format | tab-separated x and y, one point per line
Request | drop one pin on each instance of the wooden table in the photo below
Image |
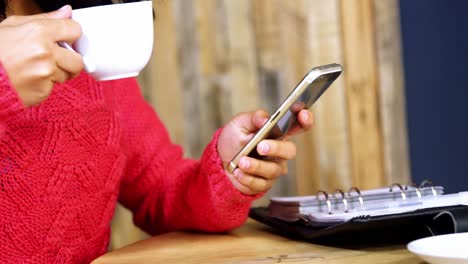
252	243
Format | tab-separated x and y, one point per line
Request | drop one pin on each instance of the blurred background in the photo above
396	114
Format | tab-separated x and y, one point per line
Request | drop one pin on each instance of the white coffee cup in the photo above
116	40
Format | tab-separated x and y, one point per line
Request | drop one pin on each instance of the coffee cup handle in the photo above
88	65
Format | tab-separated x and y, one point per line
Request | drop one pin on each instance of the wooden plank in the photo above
218	57
269	53
304	171
270	64
188	58
242	65
203	42
160	78
267	34
252	243
361	79
123	231
215	43
392	99
330	132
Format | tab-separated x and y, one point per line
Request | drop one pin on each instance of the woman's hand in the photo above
258	175
31	56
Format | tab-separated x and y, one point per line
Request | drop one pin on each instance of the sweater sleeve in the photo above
166	191
10	103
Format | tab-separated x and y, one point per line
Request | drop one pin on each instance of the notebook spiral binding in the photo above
353	192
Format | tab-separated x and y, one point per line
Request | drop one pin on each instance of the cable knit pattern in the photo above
9	101
65	163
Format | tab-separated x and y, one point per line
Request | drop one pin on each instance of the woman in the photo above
72	147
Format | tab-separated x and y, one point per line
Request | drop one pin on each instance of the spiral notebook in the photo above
419	209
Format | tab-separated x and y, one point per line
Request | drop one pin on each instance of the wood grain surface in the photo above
252	243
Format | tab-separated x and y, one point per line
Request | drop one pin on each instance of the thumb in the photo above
252	121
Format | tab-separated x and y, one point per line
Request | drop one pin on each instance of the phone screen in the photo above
305	101
303	96
313	92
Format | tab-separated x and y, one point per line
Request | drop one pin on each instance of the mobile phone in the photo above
306	93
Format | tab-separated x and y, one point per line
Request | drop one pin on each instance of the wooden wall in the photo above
215	58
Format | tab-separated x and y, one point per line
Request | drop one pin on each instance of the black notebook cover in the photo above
396	228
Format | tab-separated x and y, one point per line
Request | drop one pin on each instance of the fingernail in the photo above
264	147
237	174
244	163
306	116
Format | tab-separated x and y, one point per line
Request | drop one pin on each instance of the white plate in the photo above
452	248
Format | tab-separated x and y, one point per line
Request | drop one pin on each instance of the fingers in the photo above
275	152
68	61
60	76
255	176
305	121
268	169
62	29
259	118
249	184
57	24
258	175
281	149
62	13
59	66
251	122
48	72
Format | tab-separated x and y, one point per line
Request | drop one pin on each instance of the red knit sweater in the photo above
65	163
